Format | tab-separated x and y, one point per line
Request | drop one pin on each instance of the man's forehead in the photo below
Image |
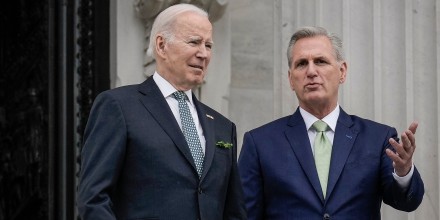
312	55
198	37
312	47
318	42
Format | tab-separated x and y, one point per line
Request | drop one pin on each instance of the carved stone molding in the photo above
147	10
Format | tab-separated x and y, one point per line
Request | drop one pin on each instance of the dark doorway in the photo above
50	72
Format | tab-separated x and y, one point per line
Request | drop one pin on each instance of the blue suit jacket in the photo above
280	180
135	162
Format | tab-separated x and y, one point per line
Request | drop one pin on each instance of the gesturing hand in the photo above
402	157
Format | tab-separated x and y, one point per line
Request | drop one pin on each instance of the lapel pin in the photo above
209	116
348	136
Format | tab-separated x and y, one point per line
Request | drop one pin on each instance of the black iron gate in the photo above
54	59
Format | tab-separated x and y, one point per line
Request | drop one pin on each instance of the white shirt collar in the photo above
331	119
167	89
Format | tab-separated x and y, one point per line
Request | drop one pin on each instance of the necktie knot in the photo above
320	126
179	95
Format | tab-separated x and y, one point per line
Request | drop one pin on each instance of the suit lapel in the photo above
298	138
343	142
156	104
209	133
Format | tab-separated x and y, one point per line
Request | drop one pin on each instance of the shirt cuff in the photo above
404	180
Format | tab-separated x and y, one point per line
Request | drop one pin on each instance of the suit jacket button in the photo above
200	190
326	216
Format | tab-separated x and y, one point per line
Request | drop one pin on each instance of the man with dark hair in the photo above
320	162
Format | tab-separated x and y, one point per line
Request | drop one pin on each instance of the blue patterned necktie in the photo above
323	152
190	131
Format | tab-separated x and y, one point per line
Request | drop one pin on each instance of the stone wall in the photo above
392	48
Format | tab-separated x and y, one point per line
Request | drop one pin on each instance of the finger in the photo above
393	156
410	140
398	148
405	141
413	126
404	149
411	133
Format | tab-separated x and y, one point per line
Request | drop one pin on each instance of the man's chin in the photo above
198	81
316	100
195	83
314	97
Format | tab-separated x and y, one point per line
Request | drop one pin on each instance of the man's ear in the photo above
290	80
343	70
160	45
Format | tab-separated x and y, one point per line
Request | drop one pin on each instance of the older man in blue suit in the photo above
153	151
320	162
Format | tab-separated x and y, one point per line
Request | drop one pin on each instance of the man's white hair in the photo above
163	24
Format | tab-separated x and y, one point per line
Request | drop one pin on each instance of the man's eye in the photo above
209	46
320	61
301	64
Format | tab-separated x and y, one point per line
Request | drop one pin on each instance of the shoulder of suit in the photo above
122	89
273	125
368	122
119	93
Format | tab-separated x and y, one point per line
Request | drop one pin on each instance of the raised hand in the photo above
404	151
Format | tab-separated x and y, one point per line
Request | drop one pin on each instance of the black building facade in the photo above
54	60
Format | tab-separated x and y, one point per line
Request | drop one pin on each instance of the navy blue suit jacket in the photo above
280	180
135	162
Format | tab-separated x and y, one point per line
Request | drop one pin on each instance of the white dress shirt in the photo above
331	120
167	91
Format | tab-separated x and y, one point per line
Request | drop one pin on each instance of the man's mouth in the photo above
196	66
312	85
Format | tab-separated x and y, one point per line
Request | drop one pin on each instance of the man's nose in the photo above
203	51
311	69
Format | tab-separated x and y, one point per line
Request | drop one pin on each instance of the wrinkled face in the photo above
315	73
185	57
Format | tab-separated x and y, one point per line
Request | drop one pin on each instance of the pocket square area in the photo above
223	144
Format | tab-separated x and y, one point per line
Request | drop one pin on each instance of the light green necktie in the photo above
323	152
